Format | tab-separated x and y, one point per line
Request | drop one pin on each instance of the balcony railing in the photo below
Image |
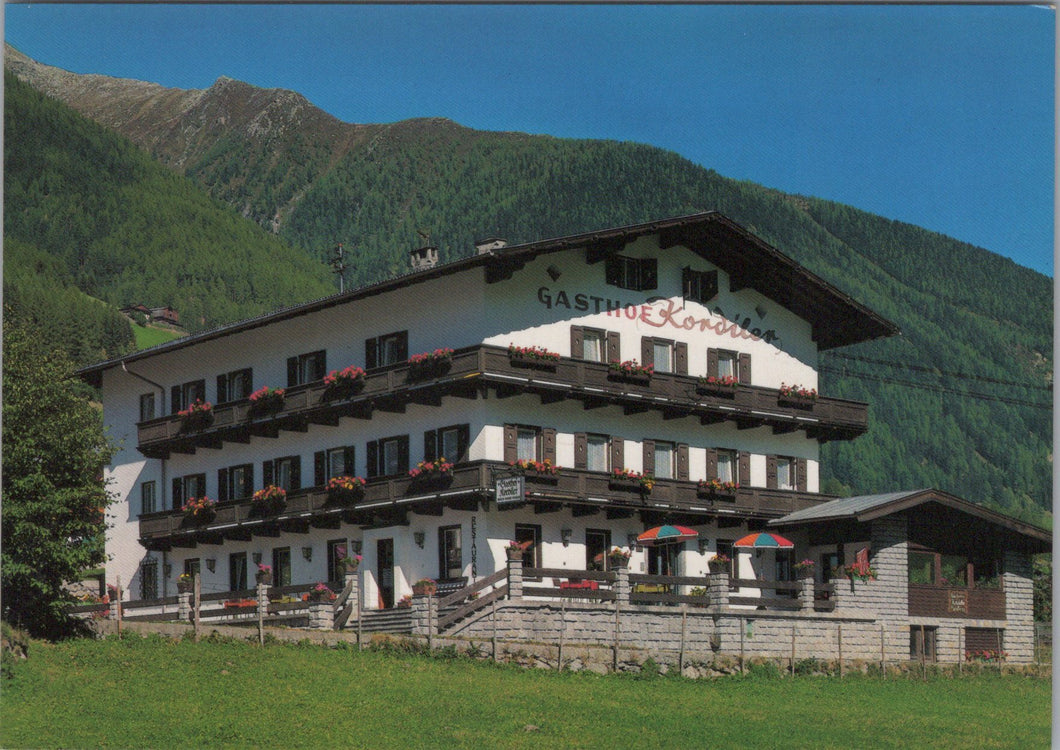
386	499
475	369
946	601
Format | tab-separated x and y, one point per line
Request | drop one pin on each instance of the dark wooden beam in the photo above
616	513
546	506
597	251
295	525
210	537
675	412
184	541
785	428
463	502
329	418
266	529
579	511
747	423
237	534
594	402
630	409
551	397
332	521
156	545
434	508
711	418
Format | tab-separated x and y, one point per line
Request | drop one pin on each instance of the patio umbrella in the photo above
666	534
764	540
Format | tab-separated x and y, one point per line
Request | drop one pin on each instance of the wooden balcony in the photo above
387	501
945	601
474	371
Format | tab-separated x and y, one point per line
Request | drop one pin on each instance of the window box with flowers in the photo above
348	564
804	568
630	371
719	564
185	583
198	416
515	550
269	500
430	364
536	471
344	490
619	558
404	602
717	489
425	587
631	481
199	510
859	572
532	356
724	386
266	400
436	473
340	384
264	574
320	593
797	396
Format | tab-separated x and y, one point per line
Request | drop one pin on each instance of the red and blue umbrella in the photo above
764	540
666	535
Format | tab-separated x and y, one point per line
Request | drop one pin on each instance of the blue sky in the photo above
941	116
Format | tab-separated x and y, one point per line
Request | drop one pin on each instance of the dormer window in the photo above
638	274
699	286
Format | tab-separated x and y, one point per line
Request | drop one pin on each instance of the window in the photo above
306	368
662	559
529	443
388	457
237	571
147	406
699	286
830	566
281	566
191	566
785	474
525	532
638	274
597	543
664	355
594	344
724	547
235	482
450	553
664	460
183	396
148	497
723	363
526	444
727	466
922	642
334	462
337	550
149	579
184	488
283	472
782	566
728	365
596	454
391	349
450	443
978	640
233	386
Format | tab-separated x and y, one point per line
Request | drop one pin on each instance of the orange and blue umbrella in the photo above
764	540
666	534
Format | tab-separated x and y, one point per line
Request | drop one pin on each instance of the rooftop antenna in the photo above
338	265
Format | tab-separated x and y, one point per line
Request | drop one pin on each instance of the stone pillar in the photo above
353	583
421	623
321	615
184	605
263	598
622	584
806	594
1017	583
888	595
718	589
515	576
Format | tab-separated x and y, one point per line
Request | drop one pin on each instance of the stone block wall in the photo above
1018	582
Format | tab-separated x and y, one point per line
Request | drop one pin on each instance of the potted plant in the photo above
185	583
264	574
266	400
320	593
719	563
405	602
860	572
717	489
804	568
343	383
269	500
431	472
425	587
430	364
199	510
346	489
515	550
532	356
627	479
348	563
619	558
198	415
796	395
714	385
540	470
630	371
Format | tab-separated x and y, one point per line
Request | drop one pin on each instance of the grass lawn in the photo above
156	693
146	336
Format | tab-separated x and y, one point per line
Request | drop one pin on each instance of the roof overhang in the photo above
836	318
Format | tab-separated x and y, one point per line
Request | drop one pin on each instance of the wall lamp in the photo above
307	553
355	546
564	534
703	546
211	564
419	538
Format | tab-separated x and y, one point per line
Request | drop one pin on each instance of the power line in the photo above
935	371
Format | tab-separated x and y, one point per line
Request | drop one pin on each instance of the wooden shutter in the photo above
222	485
223	391
712	463
745	369
266	473
296	473
649	273
403	346
548	444
618	454
614	347
800	474
292	371
372	457
744	460
647	351
177	499
403	454
577	342
686	283
712	363
430	445
511	443
613	270
349	456
581	450
248	481
682	461
681	358
320	468
771	472
174	400
463	441
649	456
371	353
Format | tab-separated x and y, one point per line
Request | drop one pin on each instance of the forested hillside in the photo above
126	230
961	401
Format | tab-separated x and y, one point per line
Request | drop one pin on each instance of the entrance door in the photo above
384	555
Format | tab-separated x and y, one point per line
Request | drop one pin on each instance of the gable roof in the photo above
869	507
836	318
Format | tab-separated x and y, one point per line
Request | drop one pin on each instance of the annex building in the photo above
501	423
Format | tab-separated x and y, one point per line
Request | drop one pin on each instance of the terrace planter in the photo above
345	497
430	481
343	389
637	378
532	361
430	365
196	421
541	478
716	390
266	402
797	402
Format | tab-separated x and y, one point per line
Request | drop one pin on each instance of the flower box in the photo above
425	587
320	593
797	396
631	481
430	364
536	471
264	574
266	400
340	384
185	583
618	558
722	387
269	500
436	473
717	490
534	357
199	510
344	490
630	372
198	416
